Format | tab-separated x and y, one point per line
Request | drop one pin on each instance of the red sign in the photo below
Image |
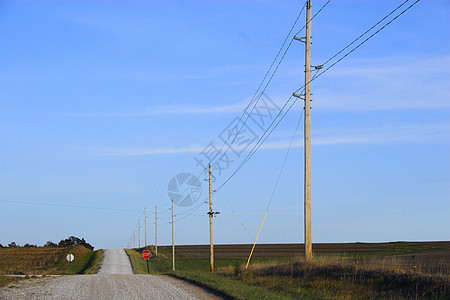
146	254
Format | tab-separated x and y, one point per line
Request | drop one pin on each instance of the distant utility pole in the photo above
173	244
211	248
308	239
145	225
134	244
156	230
139	233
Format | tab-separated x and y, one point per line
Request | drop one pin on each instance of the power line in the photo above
363	34
257	92
261	140
252	100
323	6
270	79
368	38
270	129
284	162
255	95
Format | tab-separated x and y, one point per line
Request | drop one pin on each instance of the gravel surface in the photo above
105	285
115	261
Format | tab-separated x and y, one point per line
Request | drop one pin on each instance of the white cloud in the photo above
338	136
387	84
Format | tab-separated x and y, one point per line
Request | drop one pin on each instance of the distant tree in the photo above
28	245
86	244
50	244
1	246
13	245
73	240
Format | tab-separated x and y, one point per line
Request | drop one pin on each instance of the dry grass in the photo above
38	260
341	277
339	271
16	261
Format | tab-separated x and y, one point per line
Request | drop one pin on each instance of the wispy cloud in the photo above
380	135
155	111
236	108
386	84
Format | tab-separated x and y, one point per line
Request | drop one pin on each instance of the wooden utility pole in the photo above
134	244
145	225
139	233
211	224
156	230
308	240
173	244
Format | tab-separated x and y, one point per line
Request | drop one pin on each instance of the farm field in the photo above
400	270
48	260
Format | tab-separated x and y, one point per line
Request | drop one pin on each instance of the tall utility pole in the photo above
139	233
173	244
211	248
308	240
134	244
156	230
145	225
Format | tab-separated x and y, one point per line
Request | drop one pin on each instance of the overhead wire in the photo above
257	92
318	74
363	34
253	99
364	41
272	75
261	140
255	95
271	128
284	162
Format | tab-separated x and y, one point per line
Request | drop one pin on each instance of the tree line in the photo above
70	241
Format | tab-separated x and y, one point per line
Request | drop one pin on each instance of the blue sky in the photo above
102	103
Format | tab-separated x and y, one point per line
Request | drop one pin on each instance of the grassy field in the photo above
400	270
47	260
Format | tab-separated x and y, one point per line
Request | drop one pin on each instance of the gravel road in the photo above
115	261
116	281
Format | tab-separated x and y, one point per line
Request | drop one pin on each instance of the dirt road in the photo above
116	281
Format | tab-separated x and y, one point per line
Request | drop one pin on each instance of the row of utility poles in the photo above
307	170
132	244
211	214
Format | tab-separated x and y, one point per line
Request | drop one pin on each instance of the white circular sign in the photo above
70	257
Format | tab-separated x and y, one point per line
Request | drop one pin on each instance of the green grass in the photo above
94	263
78	265
196	270
378	274
48	260
228	286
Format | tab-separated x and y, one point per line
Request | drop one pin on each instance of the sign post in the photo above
146	254
70	258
